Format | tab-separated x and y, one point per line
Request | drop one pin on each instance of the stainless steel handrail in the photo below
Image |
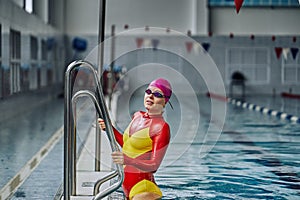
70	133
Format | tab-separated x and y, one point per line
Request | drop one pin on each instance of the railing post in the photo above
101	35
68	131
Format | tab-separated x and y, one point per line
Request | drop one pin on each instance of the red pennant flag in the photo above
189	46
278	51
238	5
139	42
294	52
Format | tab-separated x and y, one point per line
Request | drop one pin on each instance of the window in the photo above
33	48
44	50
255	3
4	73
15	60
252	62
28	6
51	13
1	68
43	69
0	43
34	72
291	70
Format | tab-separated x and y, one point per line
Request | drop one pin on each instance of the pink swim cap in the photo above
164	86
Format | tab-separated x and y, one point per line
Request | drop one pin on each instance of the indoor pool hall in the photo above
147	100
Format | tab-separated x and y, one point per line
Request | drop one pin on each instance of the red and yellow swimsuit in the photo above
144	145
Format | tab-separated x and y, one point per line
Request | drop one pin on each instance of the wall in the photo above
202	18
13	17
262	21
258	81
175	14
58	16
82	16
195	15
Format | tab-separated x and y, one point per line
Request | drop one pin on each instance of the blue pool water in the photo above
256	156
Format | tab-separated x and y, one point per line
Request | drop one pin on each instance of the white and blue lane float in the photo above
257	108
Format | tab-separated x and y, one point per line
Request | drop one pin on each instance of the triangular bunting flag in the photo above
147	43
197	47
205	46
238	5
155	43
189	46
285	52
278	51
139	42
294	52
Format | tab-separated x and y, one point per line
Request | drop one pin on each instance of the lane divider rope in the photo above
257	108
290	95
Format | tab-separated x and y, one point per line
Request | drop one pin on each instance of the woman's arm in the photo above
118	135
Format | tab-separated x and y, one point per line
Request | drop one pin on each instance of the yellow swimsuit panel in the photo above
137	144
144	186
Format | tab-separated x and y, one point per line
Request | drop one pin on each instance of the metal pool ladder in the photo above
70	134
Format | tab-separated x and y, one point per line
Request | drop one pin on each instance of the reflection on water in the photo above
256	157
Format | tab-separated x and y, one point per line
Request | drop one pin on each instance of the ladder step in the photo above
86	181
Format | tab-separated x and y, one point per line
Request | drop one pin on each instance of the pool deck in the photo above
31	147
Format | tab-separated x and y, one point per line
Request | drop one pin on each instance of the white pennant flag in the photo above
197	47
285	52
147	43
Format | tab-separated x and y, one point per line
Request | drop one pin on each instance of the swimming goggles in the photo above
158	95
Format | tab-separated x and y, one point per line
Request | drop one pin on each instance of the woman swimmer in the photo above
144	143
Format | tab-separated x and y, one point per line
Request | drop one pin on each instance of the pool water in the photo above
255	157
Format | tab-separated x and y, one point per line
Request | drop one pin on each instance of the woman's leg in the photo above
146	196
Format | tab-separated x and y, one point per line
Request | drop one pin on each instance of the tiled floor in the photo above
31	145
